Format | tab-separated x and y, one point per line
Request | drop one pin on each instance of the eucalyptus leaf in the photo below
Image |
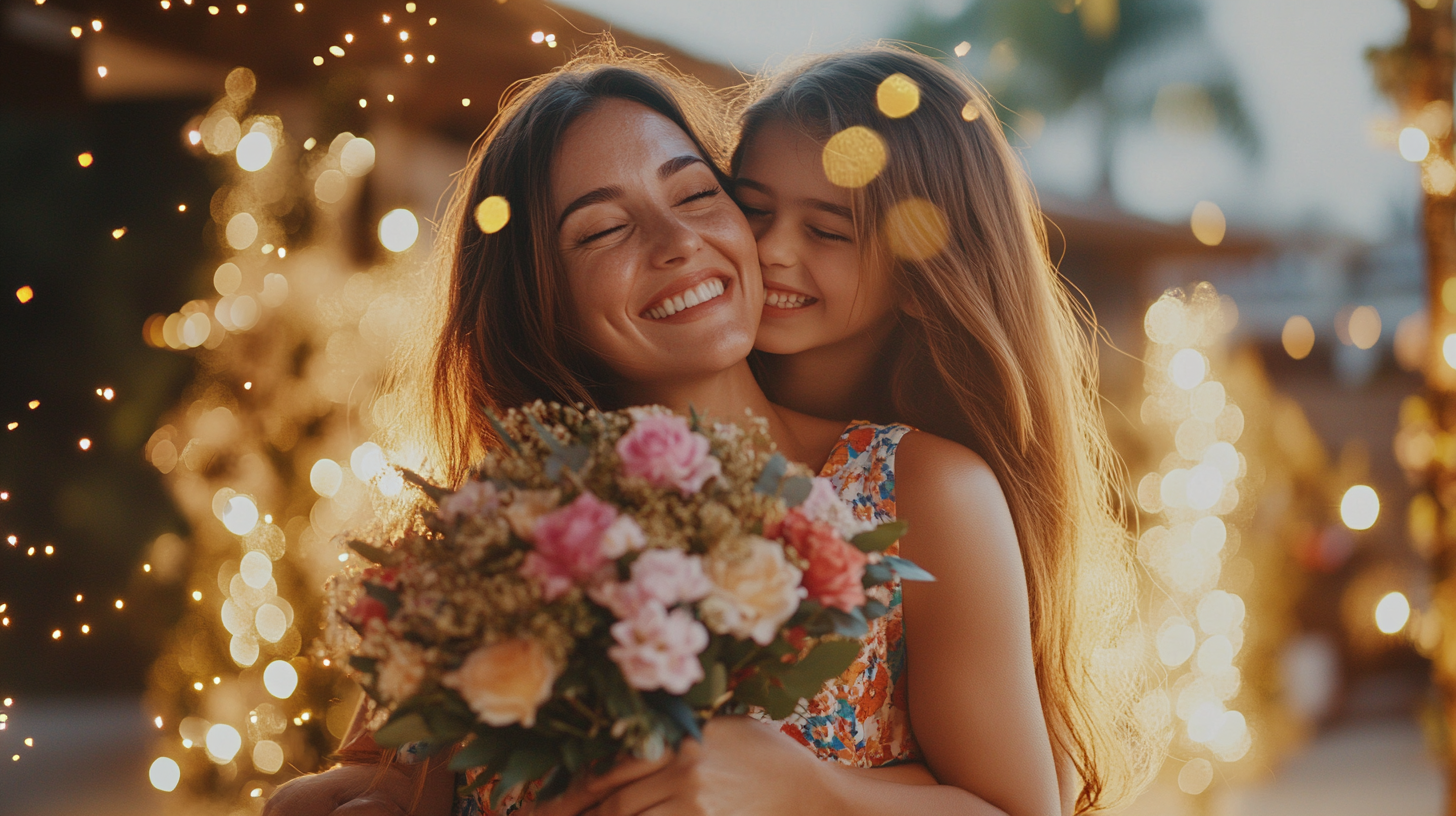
489	747
828	659
873	609
368	665
907	570
434	491
371	553
500	431
674	709
849	624
402	730
795	489
877	575
880	538
528	762
384	595
552	443
773	473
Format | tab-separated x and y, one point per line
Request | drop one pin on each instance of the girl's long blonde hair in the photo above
998	357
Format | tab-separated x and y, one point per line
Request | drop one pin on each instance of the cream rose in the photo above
505	682
751	596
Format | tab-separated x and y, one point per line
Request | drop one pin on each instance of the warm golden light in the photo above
1364	327
240	515
1414	144
85	444
336	51
1187	369
85	159
1298	337
101	71
357	157
1360	507
1208	223
77	31
268	756
916	229
897	96
1392	613
164	774
492	214
398	230
95	25
254	150
280	679
223	743
853	157
326	477
368	461
963	49
24	294
118	232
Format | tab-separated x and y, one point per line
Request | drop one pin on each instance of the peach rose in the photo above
527	507
505	682
754	595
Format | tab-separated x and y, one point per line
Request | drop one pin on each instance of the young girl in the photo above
926	297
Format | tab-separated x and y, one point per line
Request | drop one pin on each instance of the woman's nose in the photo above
672	241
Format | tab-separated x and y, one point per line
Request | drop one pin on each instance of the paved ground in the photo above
91	757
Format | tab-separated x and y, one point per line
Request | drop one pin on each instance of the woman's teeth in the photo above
702	293
786	300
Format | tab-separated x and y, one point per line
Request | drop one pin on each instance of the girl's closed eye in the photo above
826	235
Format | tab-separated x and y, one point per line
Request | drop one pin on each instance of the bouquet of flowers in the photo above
602	585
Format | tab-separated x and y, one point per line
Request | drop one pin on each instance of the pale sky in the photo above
1299	64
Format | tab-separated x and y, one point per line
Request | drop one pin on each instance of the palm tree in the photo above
1131	60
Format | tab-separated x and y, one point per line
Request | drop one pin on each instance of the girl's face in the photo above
818	289
660	263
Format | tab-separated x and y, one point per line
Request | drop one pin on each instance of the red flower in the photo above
367	609
835	567
387	576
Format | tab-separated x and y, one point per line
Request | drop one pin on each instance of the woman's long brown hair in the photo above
995	354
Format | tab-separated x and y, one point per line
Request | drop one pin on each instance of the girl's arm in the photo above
974	704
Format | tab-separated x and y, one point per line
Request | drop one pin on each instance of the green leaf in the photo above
877	575
828	659
556	784
773	473
795	489
552	443
434	491
368	665
384	595
488	747
447	727
500	431
371	553
402	730
710	688
880	538
528	762
779	702
675	710
849	624
907	570
695	420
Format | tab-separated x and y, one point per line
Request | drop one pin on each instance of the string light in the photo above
85	444
118	232
77	31
101	71
33	404
95	25
85	159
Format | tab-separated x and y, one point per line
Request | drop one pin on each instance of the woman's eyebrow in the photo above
604	194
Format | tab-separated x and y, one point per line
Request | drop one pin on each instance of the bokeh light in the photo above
280	679
254	151
492	214
240	516
854	156
1414	144
1208	223
1392	613
897	96
223	743
1187	369
398	230
1364	327
165	773
1360	507
1297	337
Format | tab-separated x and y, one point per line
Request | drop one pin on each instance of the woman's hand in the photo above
741	766
365	790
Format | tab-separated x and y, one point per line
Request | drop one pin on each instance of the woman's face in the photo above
818	289
660	262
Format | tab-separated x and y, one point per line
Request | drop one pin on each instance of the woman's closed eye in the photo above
705	194
587	239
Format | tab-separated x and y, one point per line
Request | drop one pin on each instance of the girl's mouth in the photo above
784	299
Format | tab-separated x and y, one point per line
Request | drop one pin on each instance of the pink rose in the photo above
835	567
657	649
473	499
662	576
569	545
661	449
824	504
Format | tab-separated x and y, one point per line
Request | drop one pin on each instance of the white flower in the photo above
752	596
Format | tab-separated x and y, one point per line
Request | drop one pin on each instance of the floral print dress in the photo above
861	718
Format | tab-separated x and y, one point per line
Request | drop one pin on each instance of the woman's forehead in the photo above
619	135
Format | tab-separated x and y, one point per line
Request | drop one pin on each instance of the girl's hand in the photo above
741	766
364	790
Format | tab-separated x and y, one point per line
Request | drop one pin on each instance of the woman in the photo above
617	211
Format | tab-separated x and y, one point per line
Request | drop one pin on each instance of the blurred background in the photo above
215	217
